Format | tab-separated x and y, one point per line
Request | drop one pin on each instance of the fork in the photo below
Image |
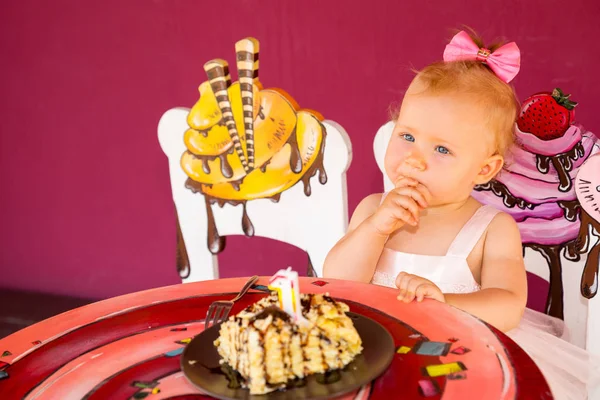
219	310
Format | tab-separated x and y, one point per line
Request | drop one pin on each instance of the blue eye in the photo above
442	150
408	137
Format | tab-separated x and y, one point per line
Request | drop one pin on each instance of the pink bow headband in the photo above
505	61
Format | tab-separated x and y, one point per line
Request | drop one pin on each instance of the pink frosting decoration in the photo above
534	191
549	147
545	223
548	232
523	162
546	210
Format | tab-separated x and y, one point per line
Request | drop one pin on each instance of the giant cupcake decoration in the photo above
537	189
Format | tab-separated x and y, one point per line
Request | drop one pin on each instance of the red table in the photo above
130	347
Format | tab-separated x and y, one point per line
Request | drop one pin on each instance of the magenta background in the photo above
85	201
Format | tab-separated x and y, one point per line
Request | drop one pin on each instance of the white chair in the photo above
582	316
312	223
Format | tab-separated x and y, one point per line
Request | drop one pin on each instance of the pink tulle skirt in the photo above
569	370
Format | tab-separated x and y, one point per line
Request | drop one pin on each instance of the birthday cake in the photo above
272	350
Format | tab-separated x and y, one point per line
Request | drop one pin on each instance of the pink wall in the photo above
85	203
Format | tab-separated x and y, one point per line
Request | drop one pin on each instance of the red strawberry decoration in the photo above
547	115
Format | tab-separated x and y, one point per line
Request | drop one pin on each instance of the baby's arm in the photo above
355	256
503	296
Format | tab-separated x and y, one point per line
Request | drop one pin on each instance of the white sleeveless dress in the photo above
566	367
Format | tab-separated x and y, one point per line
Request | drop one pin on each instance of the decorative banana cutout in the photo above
245	142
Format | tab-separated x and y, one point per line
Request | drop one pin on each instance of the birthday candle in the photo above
285	283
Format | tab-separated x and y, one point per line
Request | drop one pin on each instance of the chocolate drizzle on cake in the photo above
271	352
274	312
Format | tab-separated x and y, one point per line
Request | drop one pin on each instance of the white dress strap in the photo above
471	232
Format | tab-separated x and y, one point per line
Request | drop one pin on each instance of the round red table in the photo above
129	347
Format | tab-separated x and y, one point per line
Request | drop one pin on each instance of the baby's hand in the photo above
401	206
413	286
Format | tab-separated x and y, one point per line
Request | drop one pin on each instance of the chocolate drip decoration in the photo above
572	251
542	163
246	223
236	184
562	163
570	209
263	168
554	302
317	166
216	243
589	277
226	169
205	166
500	190
182	261
295	157
563	174
275	198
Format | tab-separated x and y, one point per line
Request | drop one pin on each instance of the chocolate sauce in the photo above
570	209
554	301
205	166
236	184
275	312
275	198
295	157
216	243
182	260
500	190
562	163
246	223
226	169
589	277
572	251
317	166
263	168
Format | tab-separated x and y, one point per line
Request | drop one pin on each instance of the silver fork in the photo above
219	310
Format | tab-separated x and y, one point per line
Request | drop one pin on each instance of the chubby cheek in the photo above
394	156
447	180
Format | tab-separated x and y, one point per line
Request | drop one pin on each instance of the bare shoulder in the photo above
503	232
365	209
503	222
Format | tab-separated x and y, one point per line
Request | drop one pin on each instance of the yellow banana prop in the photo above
245	142
278	175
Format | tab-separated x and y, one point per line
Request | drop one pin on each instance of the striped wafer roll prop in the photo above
219	79
247	64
